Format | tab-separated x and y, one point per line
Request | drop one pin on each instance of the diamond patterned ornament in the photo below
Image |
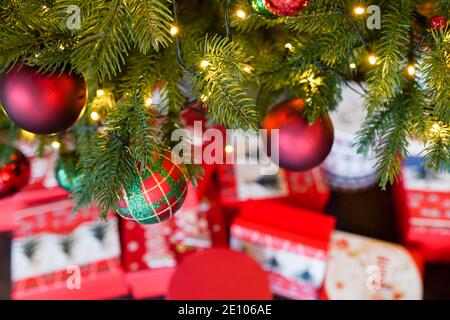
156	193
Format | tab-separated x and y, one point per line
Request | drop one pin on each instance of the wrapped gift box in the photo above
361	268
290	243
422	198
249	174
151	252
59	254
245	182
345	168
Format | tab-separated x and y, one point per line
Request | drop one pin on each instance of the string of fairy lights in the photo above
359	10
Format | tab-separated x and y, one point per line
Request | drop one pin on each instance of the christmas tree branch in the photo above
128	139
436	70
384	79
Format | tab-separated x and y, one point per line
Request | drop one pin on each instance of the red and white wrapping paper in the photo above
290	243
50	241
362	268
245	182
422	198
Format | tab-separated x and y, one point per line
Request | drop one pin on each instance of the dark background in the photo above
370	213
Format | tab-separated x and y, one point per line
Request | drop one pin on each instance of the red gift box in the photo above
151	252
248	182
244	182
58	254
362	268
290	243
422	198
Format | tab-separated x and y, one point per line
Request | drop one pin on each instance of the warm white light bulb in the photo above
288	46
56	144
411	70
204	64
352	65
359	10
247	69
241	14
372	59
436	128
100	92
148	102
174	30
95	116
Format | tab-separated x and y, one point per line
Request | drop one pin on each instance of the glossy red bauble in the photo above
437	23
301	146
14	171
286	7
42	104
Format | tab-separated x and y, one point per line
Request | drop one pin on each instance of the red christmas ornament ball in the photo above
301	146
438	22
42	104
14	171
286	7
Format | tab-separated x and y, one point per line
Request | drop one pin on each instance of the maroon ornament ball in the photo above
42	104
437	23
301	146
14	171
286	7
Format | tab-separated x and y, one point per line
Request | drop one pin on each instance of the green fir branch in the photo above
384	79
105	40
152	20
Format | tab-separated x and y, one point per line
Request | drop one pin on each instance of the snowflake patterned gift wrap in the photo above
290	243
422	198
362	268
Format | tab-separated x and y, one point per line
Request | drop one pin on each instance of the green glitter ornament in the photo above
156	193
66	173
259	7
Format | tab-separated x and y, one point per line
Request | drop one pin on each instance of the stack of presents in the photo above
274	216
